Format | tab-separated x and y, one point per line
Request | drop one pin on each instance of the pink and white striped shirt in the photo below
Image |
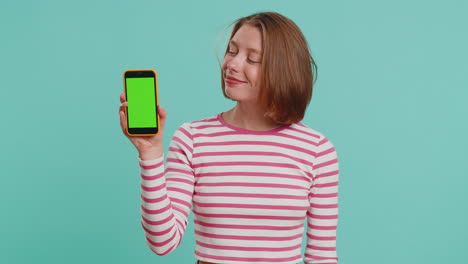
250	192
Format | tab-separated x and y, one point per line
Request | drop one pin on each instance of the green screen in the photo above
141	100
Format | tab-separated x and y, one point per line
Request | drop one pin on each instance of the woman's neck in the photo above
249	117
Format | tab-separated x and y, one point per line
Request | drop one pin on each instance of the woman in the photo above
253	174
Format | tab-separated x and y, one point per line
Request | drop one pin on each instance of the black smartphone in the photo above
141	92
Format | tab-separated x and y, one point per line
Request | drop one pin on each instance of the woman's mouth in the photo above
232	80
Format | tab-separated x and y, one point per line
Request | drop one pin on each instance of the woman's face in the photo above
242	64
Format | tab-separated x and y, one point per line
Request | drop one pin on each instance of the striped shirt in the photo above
250	192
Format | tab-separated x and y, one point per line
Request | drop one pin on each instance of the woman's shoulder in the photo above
205	123
211	120
306	131
318	139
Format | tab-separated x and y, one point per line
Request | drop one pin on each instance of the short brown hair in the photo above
287	71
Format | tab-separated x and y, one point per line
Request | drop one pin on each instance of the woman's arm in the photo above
322	217
166	194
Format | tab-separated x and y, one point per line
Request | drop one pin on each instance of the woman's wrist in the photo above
150	154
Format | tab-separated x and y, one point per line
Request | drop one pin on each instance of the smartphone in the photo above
141	92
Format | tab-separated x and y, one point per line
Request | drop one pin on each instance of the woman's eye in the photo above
252	61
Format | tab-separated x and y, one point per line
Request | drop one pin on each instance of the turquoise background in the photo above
391	94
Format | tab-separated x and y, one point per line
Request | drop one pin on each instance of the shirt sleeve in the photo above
322	216
166	194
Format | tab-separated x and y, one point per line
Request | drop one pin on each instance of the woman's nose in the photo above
233	64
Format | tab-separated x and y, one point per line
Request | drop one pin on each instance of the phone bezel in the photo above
142	131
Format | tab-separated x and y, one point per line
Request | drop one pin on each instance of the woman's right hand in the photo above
148	147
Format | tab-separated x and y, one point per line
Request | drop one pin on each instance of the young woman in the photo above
253	174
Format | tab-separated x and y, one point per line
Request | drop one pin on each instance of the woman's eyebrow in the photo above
250	49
